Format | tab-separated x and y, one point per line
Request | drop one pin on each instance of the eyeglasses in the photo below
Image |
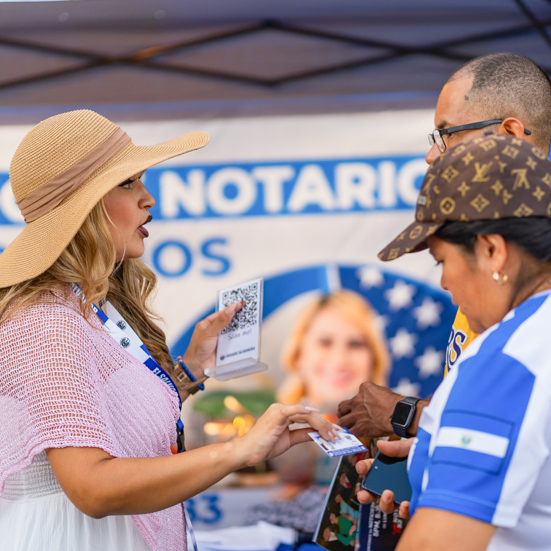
437	136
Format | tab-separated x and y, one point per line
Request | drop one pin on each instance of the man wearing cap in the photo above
480	466
501	93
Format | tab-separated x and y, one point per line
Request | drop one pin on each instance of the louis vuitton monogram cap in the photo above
488	178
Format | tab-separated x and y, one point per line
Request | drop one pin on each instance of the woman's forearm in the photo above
438	530
100	485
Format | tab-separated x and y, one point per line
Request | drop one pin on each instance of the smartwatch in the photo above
402	416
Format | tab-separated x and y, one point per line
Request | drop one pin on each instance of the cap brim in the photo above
411	240
41	242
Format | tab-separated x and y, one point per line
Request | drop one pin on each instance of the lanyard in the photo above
121	332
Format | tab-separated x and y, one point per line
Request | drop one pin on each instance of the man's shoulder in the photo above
461	336
461	326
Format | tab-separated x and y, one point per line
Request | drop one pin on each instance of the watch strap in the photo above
402	430
188	381
410	400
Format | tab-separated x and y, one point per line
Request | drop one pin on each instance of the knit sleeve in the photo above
52	391
64	381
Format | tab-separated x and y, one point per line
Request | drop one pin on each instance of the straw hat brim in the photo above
42	241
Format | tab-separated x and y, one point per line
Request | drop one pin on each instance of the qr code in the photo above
248	315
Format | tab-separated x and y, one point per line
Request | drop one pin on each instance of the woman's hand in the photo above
270	436
392	448
100	484
200	352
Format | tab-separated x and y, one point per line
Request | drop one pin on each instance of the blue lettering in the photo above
208	253
173	258
267	189
9	211
181	250
231	191
456	342
177	196
448	347
204	508
212	507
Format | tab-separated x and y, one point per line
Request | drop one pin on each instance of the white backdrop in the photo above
270	196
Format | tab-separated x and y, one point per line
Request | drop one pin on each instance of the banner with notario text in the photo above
304	202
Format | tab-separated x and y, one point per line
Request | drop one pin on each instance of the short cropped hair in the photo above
510	85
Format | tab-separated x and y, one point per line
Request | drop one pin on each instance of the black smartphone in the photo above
388	473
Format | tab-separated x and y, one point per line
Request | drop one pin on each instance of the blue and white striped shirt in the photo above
483	445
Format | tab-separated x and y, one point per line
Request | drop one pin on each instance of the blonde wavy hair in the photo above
358	311
89	260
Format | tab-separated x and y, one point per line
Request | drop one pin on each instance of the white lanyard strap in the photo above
119	329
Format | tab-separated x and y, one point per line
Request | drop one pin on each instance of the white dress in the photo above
52	522
65	382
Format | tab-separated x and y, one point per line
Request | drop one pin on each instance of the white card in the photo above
238	350
345	444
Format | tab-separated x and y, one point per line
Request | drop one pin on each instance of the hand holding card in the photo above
238	349
345	443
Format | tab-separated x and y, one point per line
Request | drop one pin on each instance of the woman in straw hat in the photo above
88	412
480	467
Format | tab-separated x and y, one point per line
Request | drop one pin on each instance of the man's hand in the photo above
368	413
395	448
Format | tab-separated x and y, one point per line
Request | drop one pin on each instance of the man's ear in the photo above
513	127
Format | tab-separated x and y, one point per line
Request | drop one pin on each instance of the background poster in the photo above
305	202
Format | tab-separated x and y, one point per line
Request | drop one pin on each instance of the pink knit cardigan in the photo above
65	382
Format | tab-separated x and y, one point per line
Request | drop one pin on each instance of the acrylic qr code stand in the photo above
238	350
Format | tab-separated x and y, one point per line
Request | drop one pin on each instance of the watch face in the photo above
401	413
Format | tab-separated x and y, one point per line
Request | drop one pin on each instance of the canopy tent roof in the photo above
139	59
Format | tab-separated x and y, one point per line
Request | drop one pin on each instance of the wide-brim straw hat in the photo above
60	171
